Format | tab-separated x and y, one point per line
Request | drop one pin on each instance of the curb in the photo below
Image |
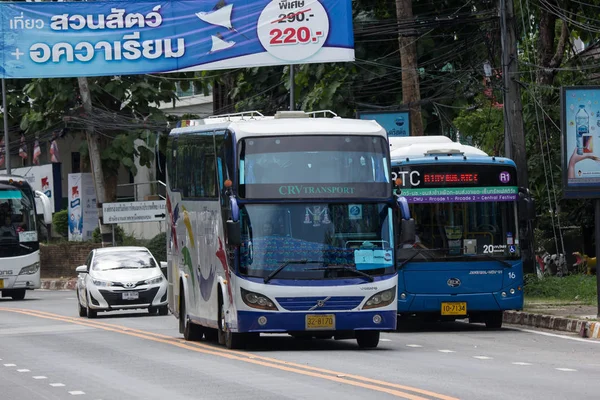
59	284
585	329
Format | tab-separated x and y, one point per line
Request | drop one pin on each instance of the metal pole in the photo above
597	238
5	113
292	86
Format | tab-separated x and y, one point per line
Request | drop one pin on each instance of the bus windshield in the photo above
327	166
18	233
475	230
317	240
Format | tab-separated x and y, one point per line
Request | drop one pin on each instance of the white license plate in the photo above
131	295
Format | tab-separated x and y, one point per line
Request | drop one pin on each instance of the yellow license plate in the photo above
454	308
1	283
320	321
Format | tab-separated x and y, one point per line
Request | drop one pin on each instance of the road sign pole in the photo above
5	113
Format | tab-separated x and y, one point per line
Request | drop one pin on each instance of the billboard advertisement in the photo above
83	214
93	38
580	119
396	123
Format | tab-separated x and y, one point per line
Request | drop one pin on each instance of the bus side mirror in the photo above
526	209
46	206
408	234
164	268
234	233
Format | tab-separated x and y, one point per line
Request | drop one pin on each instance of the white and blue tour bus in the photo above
282	224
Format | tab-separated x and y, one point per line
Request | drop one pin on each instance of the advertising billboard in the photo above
396	123
580	119
93	38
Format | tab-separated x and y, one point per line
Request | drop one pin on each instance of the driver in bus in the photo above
8	229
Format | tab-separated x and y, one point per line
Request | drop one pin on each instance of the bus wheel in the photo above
191	331
229	339
367	339
82	310
211	335
493	320
18	294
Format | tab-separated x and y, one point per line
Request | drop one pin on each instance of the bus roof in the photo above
285	123
428	146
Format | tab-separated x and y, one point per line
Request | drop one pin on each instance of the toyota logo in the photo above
129	285
453	282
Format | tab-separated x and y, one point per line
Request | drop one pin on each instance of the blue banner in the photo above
69	39
396	123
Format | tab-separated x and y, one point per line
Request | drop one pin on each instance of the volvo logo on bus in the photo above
453	282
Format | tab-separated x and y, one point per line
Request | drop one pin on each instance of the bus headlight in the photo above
381	299
257	300
30	269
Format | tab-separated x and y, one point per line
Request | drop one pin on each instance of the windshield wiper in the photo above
27	247
285	264
344	268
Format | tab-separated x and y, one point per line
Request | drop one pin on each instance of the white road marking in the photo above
577	339
446	351
76	392
521	363
23	370
40	377
483	357
10	365
566	369
71	298
57	384
385	340
413	345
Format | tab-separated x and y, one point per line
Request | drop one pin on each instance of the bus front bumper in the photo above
256	321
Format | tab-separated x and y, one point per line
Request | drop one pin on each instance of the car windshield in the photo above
316	240
136	259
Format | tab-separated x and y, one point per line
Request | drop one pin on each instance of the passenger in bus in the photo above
8	229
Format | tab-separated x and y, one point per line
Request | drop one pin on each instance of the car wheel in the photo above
82	310
90	313
18	294
152	310
164	310
367	339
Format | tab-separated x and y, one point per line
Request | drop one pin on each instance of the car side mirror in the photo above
234	233
408	234
82	269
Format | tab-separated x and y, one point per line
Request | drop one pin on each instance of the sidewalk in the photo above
566	317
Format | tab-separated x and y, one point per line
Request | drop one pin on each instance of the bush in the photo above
60	222
158	247
119	235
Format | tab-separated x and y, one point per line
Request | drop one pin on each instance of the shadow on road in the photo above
411	326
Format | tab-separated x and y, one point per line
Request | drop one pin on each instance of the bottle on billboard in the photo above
598	118
582	124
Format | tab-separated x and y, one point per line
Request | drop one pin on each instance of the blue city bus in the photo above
282	224
472	222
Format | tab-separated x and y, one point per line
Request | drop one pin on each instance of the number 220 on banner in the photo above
293	33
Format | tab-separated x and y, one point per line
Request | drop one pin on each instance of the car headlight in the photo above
381	299
154	281
100	283
30	269
257	300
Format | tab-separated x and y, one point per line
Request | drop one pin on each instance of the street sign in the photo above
134	211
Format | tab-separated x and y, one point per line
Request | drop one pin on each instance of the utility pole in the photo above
514	135
5	114
292	87
95	161
411	91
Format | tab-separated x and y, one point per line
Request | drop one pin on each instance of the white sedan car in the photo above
121	278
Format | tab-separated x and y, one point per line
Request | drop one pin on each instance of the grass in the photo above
580	289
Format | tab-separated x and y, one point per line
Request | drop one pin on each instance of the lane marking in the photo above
10	365
349	379
522	363
446	351
57	384
483	357
566	369
40	377
76	392
23	370
577	339
414	345
385	340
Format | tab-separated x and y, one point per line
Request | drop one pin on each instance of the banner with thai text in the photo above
69	39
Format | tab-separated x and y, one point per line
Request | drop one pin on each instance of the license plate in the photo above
320	321
454	308
1	283
130	295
